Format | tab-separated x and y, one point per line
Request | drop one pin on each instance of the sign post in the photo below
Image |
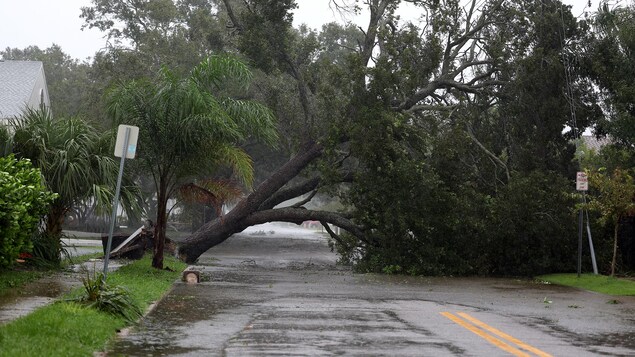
582	184
582	181
125	147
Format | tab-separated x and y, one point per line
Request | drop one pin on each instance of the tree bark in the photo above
240	217
159	229
614	261
55	220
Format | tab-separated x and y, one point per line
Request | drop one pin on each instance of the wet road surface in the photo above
266	293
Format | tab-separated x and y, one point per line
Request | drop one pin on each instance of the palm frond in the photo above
74	157
217	69
186	131
6	141
252	117
239	161
213	192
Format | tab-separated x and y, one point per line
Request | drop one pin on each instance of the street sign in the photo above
133	135
126	142
582	181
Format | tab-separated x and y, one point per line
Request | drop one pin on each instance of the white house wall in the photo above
40	92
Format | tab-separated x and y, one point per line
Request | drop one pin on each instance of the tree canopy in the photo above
447	139
191	126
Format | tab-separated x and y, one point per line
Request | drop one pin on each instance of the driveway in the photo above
277	291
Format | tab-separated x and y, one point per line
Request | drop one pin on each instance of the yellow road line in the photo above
509	338
491	339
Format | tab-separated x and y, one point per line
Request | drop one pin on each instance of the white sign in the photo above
581	181
133	135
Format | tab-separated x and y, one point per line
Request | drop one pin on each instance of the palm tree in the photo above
189	130
76	162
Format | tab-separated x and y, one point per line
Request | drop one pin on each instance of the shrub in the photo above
23	200
48	251
113	299
532	227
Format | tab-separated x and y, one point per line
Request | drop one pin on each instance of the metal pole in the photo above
580	219
588	232
115	202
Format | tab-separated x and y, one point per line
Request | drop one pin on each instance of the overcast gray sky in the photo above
44	22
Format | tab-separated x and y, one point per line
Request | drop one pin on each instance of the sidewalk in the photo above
21	301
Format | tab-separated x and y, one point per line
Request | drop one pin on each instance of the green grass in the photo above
16	278
145	283
81	259
68	329
21	275
62	329
598	283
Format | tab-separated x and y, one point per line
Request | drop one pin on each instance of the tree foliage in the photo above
145	35
488	172
612	66
75	161
23	201
614	199
448	137
190	127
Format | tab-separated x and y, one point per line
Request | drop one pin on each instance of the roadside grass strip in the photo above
487	333
599	283
11	279
69	329
18	277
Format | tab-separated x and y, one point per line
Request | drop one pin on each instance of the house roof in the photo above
17	82
594	143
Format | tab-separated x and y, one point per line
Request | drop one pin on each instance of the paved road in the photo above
282	294
76	247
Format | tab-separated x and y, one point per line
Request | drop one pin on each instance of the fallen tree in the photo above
460	68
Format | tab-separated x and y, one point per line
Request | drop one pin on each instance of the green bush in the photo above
48	250
113	299
532	226
23	200
528	228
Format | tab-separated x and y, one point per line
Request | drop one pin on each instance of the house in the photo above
596	144
22	85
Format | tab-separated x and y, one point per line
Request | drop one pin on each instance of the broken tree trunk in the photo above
218	230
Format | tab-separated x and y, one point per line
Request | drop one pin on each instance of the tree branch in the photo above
232	16
291	192
306	200
299	215
335	237
470	132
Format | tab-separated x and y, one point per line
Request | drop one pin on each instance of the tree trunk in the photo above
159	229
218	230
55	220
614	262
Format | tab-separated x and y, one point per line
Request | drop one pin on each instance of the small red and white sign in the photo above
582	181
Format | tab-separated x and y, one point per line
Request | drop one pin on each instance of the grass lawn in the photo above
68	329
16	278
598	283
19	276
